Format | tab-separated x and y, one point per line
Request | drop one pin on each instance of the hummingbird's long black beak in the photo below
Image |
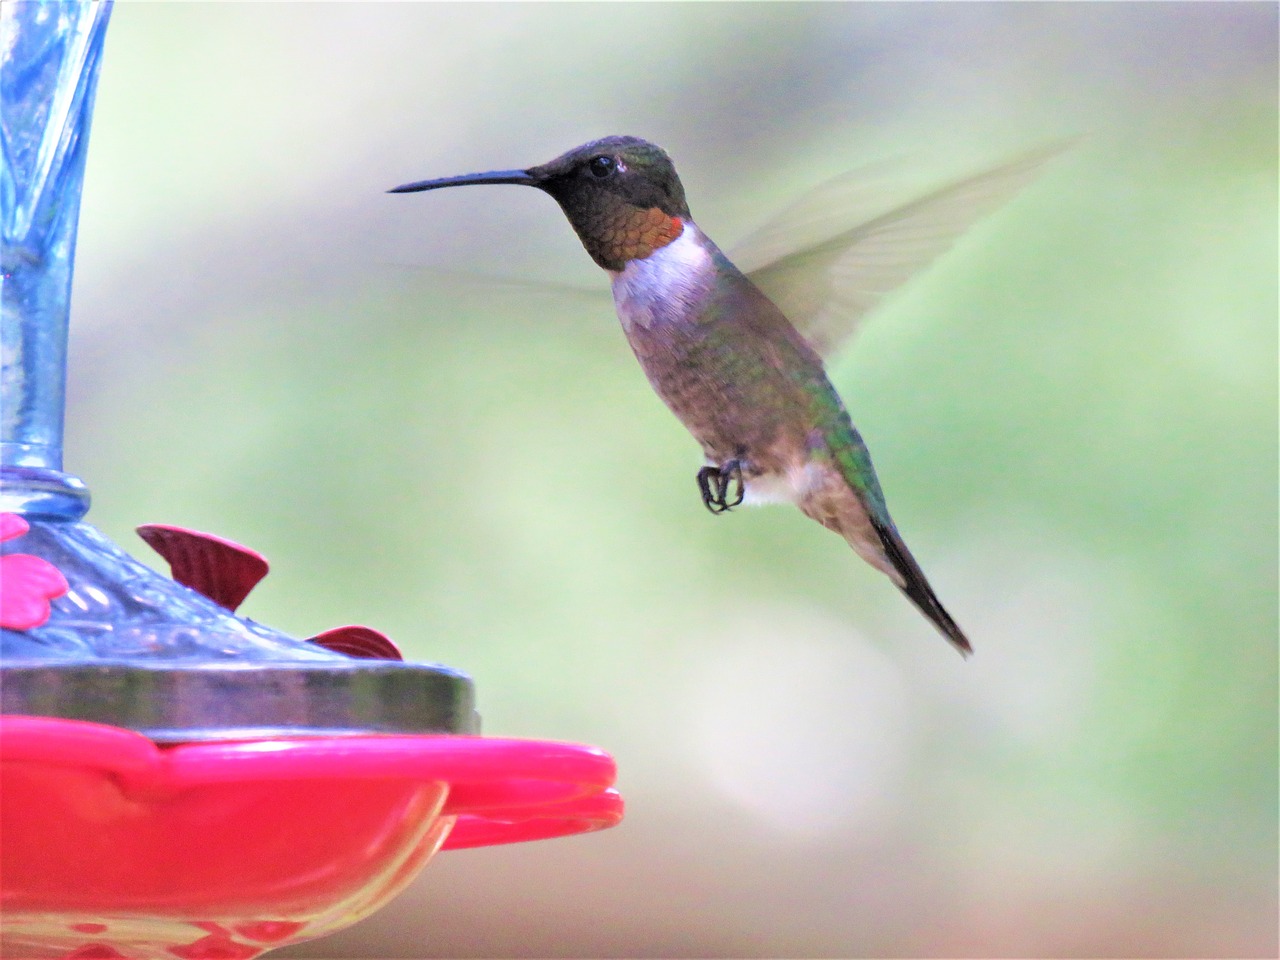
495	176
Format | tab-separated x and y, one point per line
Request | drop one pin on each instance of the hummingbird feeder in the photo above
175	780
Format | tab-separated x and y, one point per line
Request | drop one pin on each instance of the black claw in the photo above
735	473
716	498
710	500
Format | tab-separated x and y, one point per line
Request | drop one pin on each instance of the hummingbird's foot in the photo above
714	484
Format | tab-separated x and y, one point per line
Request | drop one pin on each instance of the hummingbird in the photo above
747	381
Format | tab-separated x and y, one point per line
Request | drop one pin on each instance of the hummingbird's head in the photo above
621	195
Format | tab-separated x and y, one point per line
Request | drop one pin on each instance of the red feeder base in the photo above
112	846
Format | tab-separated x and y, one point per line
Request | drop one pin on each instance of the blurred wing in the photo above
826	287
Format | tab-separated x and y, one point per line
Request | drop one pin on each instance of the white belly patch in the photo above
666	284
789	487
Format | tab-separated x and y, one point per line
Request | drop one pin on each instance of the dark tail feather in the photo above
917	587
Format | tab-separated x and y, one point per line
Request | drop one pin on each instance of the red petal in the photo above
223	570
363	642
12	525
27	584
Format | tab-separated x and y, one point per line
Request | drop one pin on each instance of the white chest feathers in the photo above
665	285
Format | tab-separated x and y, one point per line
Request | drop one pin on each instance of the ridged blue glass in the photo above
125	645
48	76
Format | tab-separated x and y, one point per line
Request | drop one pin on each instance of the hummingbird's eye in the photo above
602	166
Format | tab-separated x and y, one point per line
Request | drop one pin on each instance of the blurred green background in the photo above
421	409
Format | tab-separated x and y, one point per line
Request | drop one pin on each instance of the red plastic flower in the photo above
222	570
27	583
225	572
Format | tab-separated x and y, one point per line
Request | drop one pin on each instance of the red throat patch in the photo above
637	233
